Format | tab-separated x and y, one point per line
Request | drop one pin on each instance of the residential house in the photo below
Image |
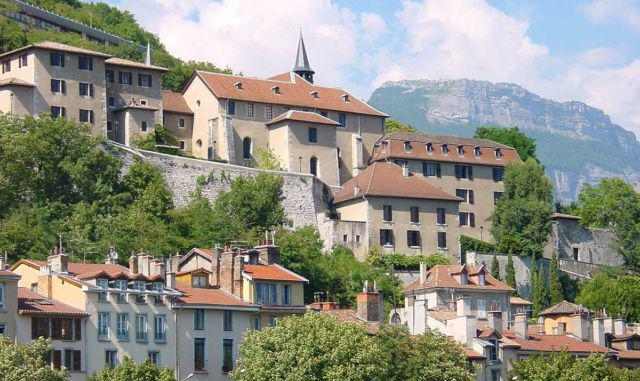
177	120
472	169
387	206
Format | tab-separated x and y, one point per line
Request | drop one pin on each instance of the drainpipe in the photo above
175	332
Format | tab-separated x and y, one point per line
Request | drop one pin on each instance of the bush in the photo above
472	244
405	262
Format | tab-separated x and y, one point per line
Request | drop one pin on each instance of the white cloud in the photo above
373	26
613	11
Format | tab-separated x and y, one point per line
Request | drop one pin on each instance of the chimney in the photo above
143	263
619	327
581	327
269	253
521	325
171	270
3	261
608	324
423	272
160	268
598	331
370	304
231	263
45	282
238	263
405	170
463	307
254	256
216	254
59	263
356	190
153	267
494	319
133	264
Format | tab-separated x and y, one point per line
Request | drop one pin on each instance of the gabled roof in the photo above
209	297
174	102
56	46
271	272
387	180
392	146
294	92
442	276
303	116
516	300
122	62
32	303
553	343
77	269
564	308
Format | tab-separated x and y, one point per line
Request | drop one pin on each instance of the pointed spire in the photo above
302	67
147	56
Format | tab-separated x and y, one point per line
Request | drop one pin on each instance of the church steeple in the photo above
302	67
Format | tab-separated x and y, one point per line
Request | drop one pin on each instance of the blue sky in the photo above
564	50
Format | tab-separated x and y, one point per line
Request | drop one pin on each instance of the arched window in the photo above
246	148
395	319
313	166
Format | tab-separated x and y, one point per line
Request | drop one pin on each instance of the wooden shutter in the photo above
382	240
78	330
470	172
472	220
57	358
77	361
471	197
91	89
458	169
63	87
409	243
438	170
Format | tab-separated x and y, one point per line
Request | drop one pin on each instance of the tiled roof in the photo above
441	276
519	301
628	355
387	180
77	269
551	343
442	315
209	297
295	92
32	303
8	274
303	116
473	355
564	308
56	46
396	149
15	82
351	316
487	333
194	271
272	272
122	62
174	102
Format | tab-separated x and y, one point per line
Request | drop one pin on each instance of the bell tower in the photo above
302	67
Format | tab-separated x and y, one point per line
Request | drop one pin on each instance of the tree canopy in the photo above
392	125
128	370
512	137
613	291
19	362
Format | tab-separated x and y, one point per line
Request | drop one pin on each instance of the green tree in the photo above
511	273
392	125
556	294
512	137
522	217
613	290
438	358
267	159
20	362
195	222
314	346
128	370
495	267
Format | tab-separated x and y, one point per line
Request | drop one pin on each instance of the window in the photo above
143	126
387	213
386	237
125	77
112	101
482	307
199	281
493	350
431	169
442	240
250	110
72	360
141	327
140	285
227	355
464	279
286	294
57	358
464	172
345	238
56	59
357	238
272	321
154	358
407	146
85	63
181	123
6	66
111	358
40	328
159	329
58	86
324	113
460	150
467	219
276	90
466	194
256	322
231	107
109	76
495	374
104	284
77	332
498	153
198	355
57	111
414	211
267	293
498	173
441	216
247	148
3	328
576	251
23	60
633	345
103	326
496	196
144	80
342	119
413	238
183	145
313	135
85	89
445	149
313	166
227	320
476	151
86	116
268	111
482	280
198	319
429	148
400	162
121	284
122	326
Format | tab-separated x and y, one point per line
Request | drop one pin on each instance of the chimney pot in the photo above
521	325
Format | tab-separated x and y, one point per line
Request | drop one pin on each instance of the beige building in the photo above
470	168
177	120
232	116
8	301
387	206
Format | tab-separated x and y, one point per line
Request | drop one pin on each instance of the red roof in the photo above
387	180
351	316
392	145
443	276
519	301
272	272
5	273
553	343
628	355
174	102
92	270
209	296
303	116
294	91
473	355
32	303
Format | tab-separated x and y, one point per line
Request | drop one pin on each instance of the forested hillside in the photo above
105	17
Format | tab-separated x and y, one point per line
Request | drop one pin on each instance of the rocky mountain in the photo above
575	142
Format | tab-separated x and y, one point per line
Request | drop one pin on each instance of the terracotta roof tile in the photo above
519	301
387	179
473	355
395	148
628	355
174	102
551	343
351	316
303	116
122	62
209	296
442	315
487	333
9	274
295	93
272	272
32	303
442	276
564	308
78	269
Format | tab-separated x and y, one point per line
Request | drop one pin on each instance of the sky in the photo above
560	49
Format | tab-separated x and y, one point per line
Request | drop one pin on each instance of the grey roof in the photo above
302	61
453	140
564	308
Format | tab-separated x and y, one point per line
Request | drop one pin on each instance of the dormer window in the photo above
460	150
238	85
476	151
314	94
276	90
407	146
482	281
385	145
429	148
345	97
445	149
498	153
464	280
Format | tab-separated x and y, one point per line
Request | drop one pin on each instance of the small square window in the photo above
345	238
183	145
181	123
143	126
313	135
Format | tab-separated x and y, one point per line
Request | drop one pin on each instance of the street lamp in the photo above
300	164
481	230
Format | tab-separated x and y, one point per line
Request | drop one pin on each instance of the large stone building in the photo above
471	169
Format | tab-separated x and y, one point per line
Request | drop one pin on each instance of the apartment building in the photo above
234	115
472	169
387	206
119	99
